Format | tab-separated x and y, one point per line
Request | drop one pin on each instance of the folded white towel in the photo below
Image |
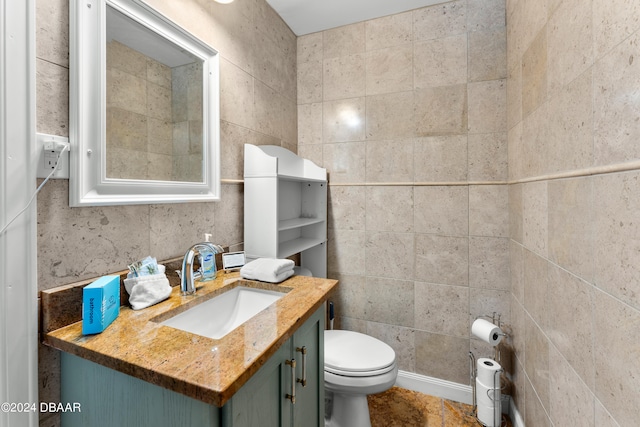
268	270
146	291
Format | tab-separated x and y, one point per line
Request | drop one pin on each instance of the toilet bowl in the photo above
355	365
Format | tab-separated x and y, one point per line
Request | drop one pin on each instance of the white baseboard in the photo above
449	390
514	414
435	387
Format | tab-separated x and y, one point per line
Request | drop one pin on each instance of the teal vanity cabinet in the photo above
285	393
111	398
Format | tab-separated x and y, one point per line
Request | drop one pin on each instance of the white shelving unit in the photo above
285	207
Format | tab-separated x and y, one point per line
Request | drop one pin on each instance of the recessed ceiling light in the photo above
224	1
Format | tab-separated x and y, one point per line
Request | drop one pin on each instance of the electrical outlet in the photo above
50	159
48	156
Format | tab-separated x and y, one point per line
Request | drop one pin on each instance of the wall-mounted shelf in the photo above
285	207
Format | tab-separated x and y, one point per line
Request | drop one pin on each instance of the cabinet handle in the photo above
292	396
303	380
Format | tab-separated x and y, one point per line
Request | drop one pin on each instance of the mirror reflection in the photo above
154	105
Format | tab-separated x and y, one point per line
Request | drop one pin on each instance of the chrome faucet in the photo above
187	277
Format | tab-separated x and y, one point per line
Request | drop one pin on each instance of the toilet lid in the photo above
354	354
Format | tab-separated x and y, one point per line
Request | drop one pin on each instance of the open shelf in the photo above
292	247
300	179
289	224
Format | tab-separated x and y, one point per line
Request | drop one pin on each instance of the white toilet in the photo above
355	365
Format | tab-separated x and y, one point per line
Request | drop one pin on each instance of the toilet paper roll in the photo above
486	417
489	404
490	416
486	372
487	332
487	396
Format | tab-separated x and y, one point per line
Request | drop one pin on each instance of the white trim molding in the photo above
514	414
435	387
18	158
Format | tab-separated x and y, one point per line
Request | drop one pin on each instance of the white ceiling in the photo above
310	16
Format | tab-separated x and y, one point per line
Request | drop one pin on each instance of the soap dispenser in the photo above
208	260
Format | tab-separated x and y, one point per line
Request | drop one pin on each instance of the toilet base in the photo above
347	410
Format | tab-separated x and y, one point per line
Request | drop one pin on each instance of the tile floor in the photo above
399	407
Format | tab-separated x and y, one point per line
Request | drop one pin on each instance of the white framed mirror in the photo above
143	106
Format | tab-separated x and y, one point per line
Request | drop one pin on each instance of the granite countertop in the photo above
202	368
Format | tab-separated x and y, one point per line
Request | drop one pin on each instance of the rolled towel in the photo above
268	270
146	291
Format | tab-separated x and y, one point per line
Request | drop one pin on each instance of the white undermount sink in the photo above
220	315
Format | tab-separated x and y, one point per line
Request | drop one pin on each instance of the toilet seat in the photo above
353	354
355	365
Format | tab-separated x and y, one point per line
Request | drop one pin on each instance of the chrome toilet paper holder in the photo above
495	318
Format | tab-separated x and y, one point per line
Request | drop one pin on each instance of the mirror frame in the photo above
88	184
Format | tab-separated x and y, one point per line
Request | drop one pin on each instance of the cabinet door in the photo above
308	346
262	400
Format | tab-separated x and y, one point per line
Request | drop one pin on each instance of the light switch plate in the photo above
46	159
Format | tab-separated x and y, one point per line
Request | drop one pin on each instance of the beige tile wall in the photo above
408	114
252	82
258	105
572	114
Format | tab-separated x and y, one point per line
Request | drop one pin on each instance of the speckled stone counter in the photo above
202	368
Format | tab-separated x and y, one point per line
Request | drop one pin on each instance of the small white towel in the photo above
268	270
146	291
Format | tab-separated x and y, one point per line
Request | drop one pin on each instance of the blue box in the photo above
100	304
